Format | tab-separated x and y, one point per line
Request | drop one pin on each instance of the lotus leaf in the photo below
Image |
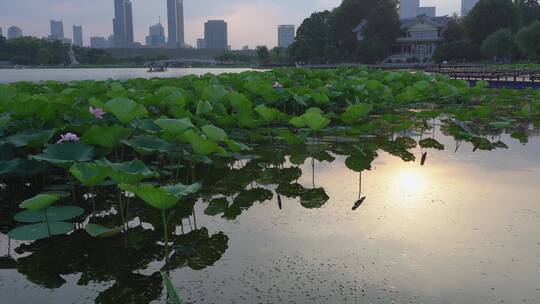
149	144
54	214
125	109
130	172
161	198
106	136
40	202
89	174
65	154
40	231
214	133
101	231
30	138
174	126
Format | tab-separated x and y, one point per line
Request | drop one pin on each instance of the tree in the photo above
263	55
312	42
499	45
528	40
457	51
529	10
380	33
456	30
488	16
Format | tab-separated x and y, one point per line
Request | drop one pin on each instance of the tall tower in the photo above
175	23
285	35
129	23
77	35
408	8
57	29
215	35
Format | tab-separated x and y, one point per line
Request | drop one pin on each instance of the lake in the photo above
36	75
462	228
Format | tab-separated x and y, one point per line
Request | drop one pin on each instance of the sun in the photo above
411	181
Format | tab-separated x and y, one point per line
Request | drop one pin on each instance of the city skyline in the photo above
250	22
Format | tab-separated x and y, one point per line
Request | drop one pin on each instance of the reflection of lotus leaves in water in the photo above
314	198
197	249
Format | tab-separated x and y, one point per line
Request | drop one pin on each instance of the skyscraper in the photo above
467	6
156	36
77	35
57	29
215	35
285	35
129	23
123	23
408	8
14	32
175	23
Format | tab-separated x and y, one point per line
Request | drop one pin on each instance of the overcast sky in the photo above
251	22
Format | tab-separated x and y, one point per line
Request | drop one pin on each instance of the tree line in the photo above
499	30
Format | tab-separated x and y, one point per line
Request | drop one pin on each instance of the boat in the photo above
157	69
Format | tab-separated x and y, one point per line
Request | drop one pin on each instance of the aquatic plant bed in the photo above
118	186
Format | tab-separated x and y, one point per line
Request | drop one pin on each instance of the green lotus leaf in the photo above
204	107
54	214
130	172
217	206
89	174
101	231
315	121
356	112
106	136
314	198
149	144
239	102
202	146
4	119
65	154
162	198
236	146
214	133
174	126
268	114
40	202
214	93
125	109
298	122
30	138
40	231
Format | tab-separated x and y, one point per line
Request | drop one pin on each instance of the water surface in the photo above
37	75
462	228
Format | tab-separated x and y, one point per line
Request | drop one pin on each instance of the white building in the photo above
467	6
408	8
423	35
286	34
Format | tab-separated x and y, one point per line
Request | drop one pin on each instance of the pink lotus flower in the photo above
97	112
68	137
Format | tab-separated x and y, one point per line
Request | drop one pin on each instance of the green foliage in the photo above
106	136
488	16
125	109
528	40
499	45
40	202
162	198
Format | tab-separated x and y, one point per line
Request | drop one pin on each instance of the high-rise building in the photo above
57	29
77	35
428	11
99	43
130	39
175	23
408	8
201	44
215	35
467	6
123	23
1	31
285	35
14	32
156	36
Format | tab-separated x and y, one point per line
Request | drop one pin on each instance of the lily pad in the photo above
40	231
149	144
125	109
89	174
101	231
65	154
106	136
40	202
54	214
